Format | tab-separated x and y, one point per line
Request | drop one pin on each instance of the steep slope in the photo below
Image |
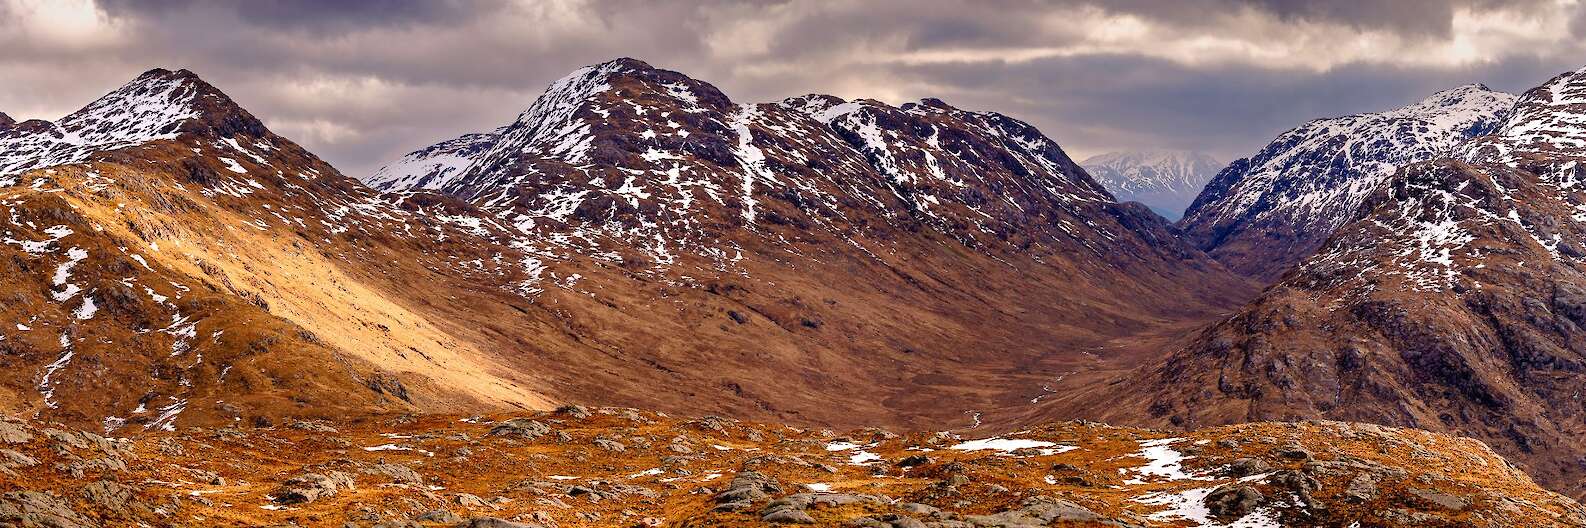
1455	301
1263	214
168	258
1165	181
922	261
618	467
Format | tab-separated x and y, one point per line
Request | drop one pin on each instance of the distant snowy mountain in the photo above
1263	214
1165	181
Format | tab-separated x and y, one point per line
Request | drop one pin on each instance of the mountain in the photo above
1454	300
581	467
1263	214
634	238
169	260
900	256
1165	181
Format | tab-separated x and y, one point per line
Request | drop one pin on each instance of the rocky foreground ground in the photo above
619	467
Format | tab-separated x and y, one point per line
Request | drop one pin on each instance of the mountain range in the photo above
633	238
637	239
1166	181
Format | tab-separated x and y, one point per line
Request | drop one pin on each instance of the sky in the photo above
361	82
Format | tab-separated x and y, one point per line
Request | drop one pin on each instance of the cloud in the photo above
363	81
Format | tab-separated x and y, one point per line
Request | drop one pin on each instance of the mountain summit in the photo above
1166	181
1263	214
795	222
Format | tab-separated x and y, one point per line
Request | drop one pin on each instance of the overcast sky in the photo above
363	82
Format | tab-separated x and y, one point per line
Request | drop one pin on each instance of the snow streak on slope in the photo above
432	167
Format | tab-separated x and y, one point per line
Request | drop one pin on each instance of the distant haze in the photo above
1165	180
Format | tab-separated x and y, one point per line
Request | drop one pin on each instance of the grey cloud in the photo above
362	82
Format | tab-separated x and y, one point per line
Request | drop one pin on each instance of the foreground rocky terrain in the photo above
619	467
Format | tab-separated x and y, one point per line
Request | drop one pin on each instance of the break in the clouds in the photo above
362	82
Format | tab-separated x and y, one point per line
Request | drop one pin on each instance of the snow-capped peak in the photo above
1312	179
1165	180
160	104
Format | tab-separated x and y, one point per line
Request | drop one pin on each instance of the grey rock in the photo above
14	433
788	516
493	522
398	473
32	509
1438	499
309	487
575	411
520	427
439	516
746	488
1233	501
1245	467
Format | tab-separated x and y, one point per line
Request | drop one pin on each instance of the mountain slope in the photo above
169	259
1263	214
1452	302
910	256
1165	181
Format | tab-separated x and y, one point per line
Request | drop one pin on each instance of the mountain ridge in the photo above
1263	214
1167	181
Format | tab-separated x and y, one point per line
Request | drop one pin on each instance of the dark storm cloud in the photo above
317	16
363	81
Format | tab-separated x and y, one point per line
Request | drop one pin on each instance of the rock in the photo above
65	438
312	486
914	460
1362	488
1294	452
901	521
32	509
1039	511
1245	467
493	522
610	445
16	459
1438	499
788	516
520	427
575	411
920	509
114	500
1233	501
14	433
746	488
312	426
398	473
469	500
439	516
